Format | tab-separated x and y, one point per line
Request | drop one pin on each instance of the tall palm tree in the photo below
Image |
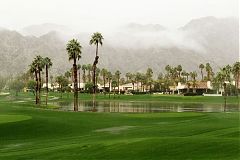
209	71
96	39
48	64
104	75
40	65
79	74
33	69
117	75
74	53
201	67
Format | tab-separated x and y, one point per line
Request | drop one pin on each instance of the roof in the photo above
201	85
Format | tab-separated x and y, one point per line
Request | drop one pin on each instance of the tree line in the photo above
91	75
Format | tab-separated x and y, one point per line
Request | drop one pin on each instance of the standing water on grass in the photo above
116	106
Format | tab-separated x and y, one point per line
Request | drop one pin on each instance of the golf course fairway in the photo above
30	132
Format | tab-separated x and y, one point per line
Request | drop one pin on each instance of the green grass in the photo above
29	132
149	97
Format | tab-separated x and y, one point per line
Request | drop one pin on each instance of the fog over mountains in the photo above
133	47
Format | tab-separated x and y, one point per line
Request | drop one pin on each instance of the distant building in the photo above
199	87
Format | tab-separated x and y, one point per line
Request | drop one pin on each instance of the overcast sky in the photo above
107	14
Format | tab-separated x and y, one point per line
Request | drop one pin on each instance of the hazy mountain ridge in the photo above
216	41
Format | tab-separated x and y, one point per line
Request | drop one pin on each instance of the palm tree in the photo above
96	39
117	75
74	53
168	69
48	64
33	69
84	68
143	81
219	80
193	76
209	71
201	67
63	83
40	65
128	74
79	74
228	71
236	74
138	79
184	74
132	78
149	75
109	77
179	69
104	75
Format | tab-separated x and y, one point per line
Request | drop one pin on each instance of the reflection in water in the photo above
115	106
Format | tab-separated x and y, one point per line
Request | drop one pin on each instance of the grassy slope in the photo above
68	135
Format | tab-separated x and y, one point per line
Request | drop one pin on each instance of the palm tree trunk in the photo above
75	86
202	74
46	84
94	78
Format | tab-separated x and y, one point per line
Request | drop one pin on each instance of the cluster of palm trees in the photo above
74	53
74	50
36	67
173	75
93	74
228	74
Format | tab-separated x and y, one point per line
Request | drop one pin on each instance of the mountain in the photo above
220	36
202	40
39	30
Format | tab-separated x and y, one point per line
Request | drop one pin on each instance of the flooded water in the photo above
145	107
